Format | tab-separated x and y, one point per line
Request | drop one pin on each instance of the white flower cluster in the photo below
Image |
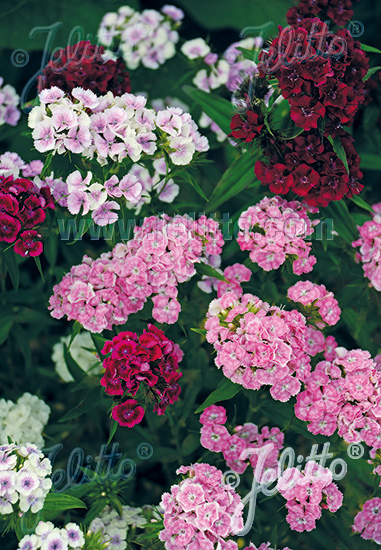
115	527
146	38
9	100
23	421
23	478
79	350
49	537
111	128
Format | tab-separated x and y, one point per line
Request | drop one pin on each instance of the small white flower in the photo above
195	48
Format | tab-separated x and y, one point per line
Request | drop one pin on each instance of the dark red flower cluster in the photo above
319	72
340	11
149	362
246	126
83	65
308	166
22	208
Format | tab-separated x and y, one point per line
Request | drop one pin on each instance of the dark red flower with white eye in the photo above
84	64
28	244
246	127
306	112
9	228
304	178
128	414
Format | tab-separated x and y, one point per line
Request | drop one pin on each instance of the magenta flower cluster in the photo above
201	511
317	301
368	521
370	248
344	395
216	437
258	344
111	128
274	230
308	492
104	292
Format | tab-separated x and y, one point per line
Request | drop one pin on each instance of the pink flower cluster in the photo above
9	101
257	344
111	128
235	275
275	229
307	492
368	521
319	304
344	395
104	292
201	511
370	248
263	546
215	437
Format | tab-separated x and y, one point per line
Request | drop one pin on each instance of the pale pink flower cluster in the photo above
9	101
201	511
274	230
344	395
24	481
258	344
146	38
112	128
235	275
368	521
104	292
370	248
317	302
216	437
49	537
308	492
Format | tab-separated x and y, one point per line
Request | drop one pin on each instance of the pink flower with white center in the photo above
77	140
322	306
63	118
87	97
214	437
213	415
190	495
75	181
131	188
51	95
368	522
104	214
43	136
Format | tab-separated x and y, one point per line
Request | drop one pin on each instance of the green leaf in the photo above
371	49
98	342
200	331
339	150
218	109
237	177
113	428
89	402
76	330
5	327
209	271
196	186
361	203
248	54
225	390
58	502
343	222
370	161
74	369
371	72
38	264
12	267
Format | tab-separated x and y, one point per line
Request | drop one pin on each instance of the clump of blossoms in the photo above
80	351
163	252
368	521
308	166
234	274
148	38
216	437
263	546
23	479
87	66
69	537
258	344
201	511
340	11
23	421
112	128
274	230
319	72
369	253
22	209
149	362
344	395
318	304
115	527
308	492
9	101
